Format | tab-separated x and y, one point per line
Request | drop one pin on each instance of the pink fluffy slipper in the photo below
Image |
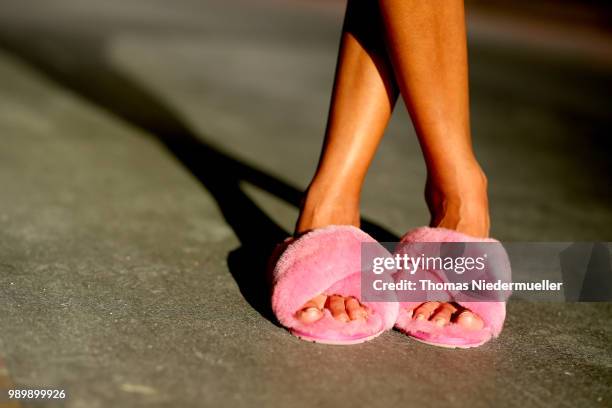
326	260
452	335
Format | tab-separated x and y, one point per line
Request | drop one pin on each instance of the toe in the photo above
354	309
443	314
470	320
312	310
335	304
309	315
424	311
319	301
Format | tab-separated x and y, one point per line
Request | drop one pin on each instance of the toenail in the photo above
439	322
467	316
420	316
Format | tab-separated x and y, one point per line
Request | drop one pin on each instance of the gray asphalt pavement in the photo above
153	151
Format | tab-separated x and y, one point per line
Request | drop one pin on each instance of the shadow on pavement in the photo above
82	68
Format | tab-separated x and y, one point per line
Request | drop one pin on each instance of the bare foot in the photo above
329	205
458	201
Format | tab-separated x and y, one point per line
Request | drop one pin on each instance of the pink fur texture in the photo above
493	314
326	260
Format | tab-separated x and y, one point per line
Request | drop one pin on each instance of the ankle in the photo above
458	199
328	205
457	178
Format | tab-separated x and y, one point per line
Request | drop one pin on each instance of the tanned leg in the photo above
426	42
363	98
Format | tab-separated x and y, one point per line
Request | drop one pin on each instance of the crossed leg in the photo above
419	49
